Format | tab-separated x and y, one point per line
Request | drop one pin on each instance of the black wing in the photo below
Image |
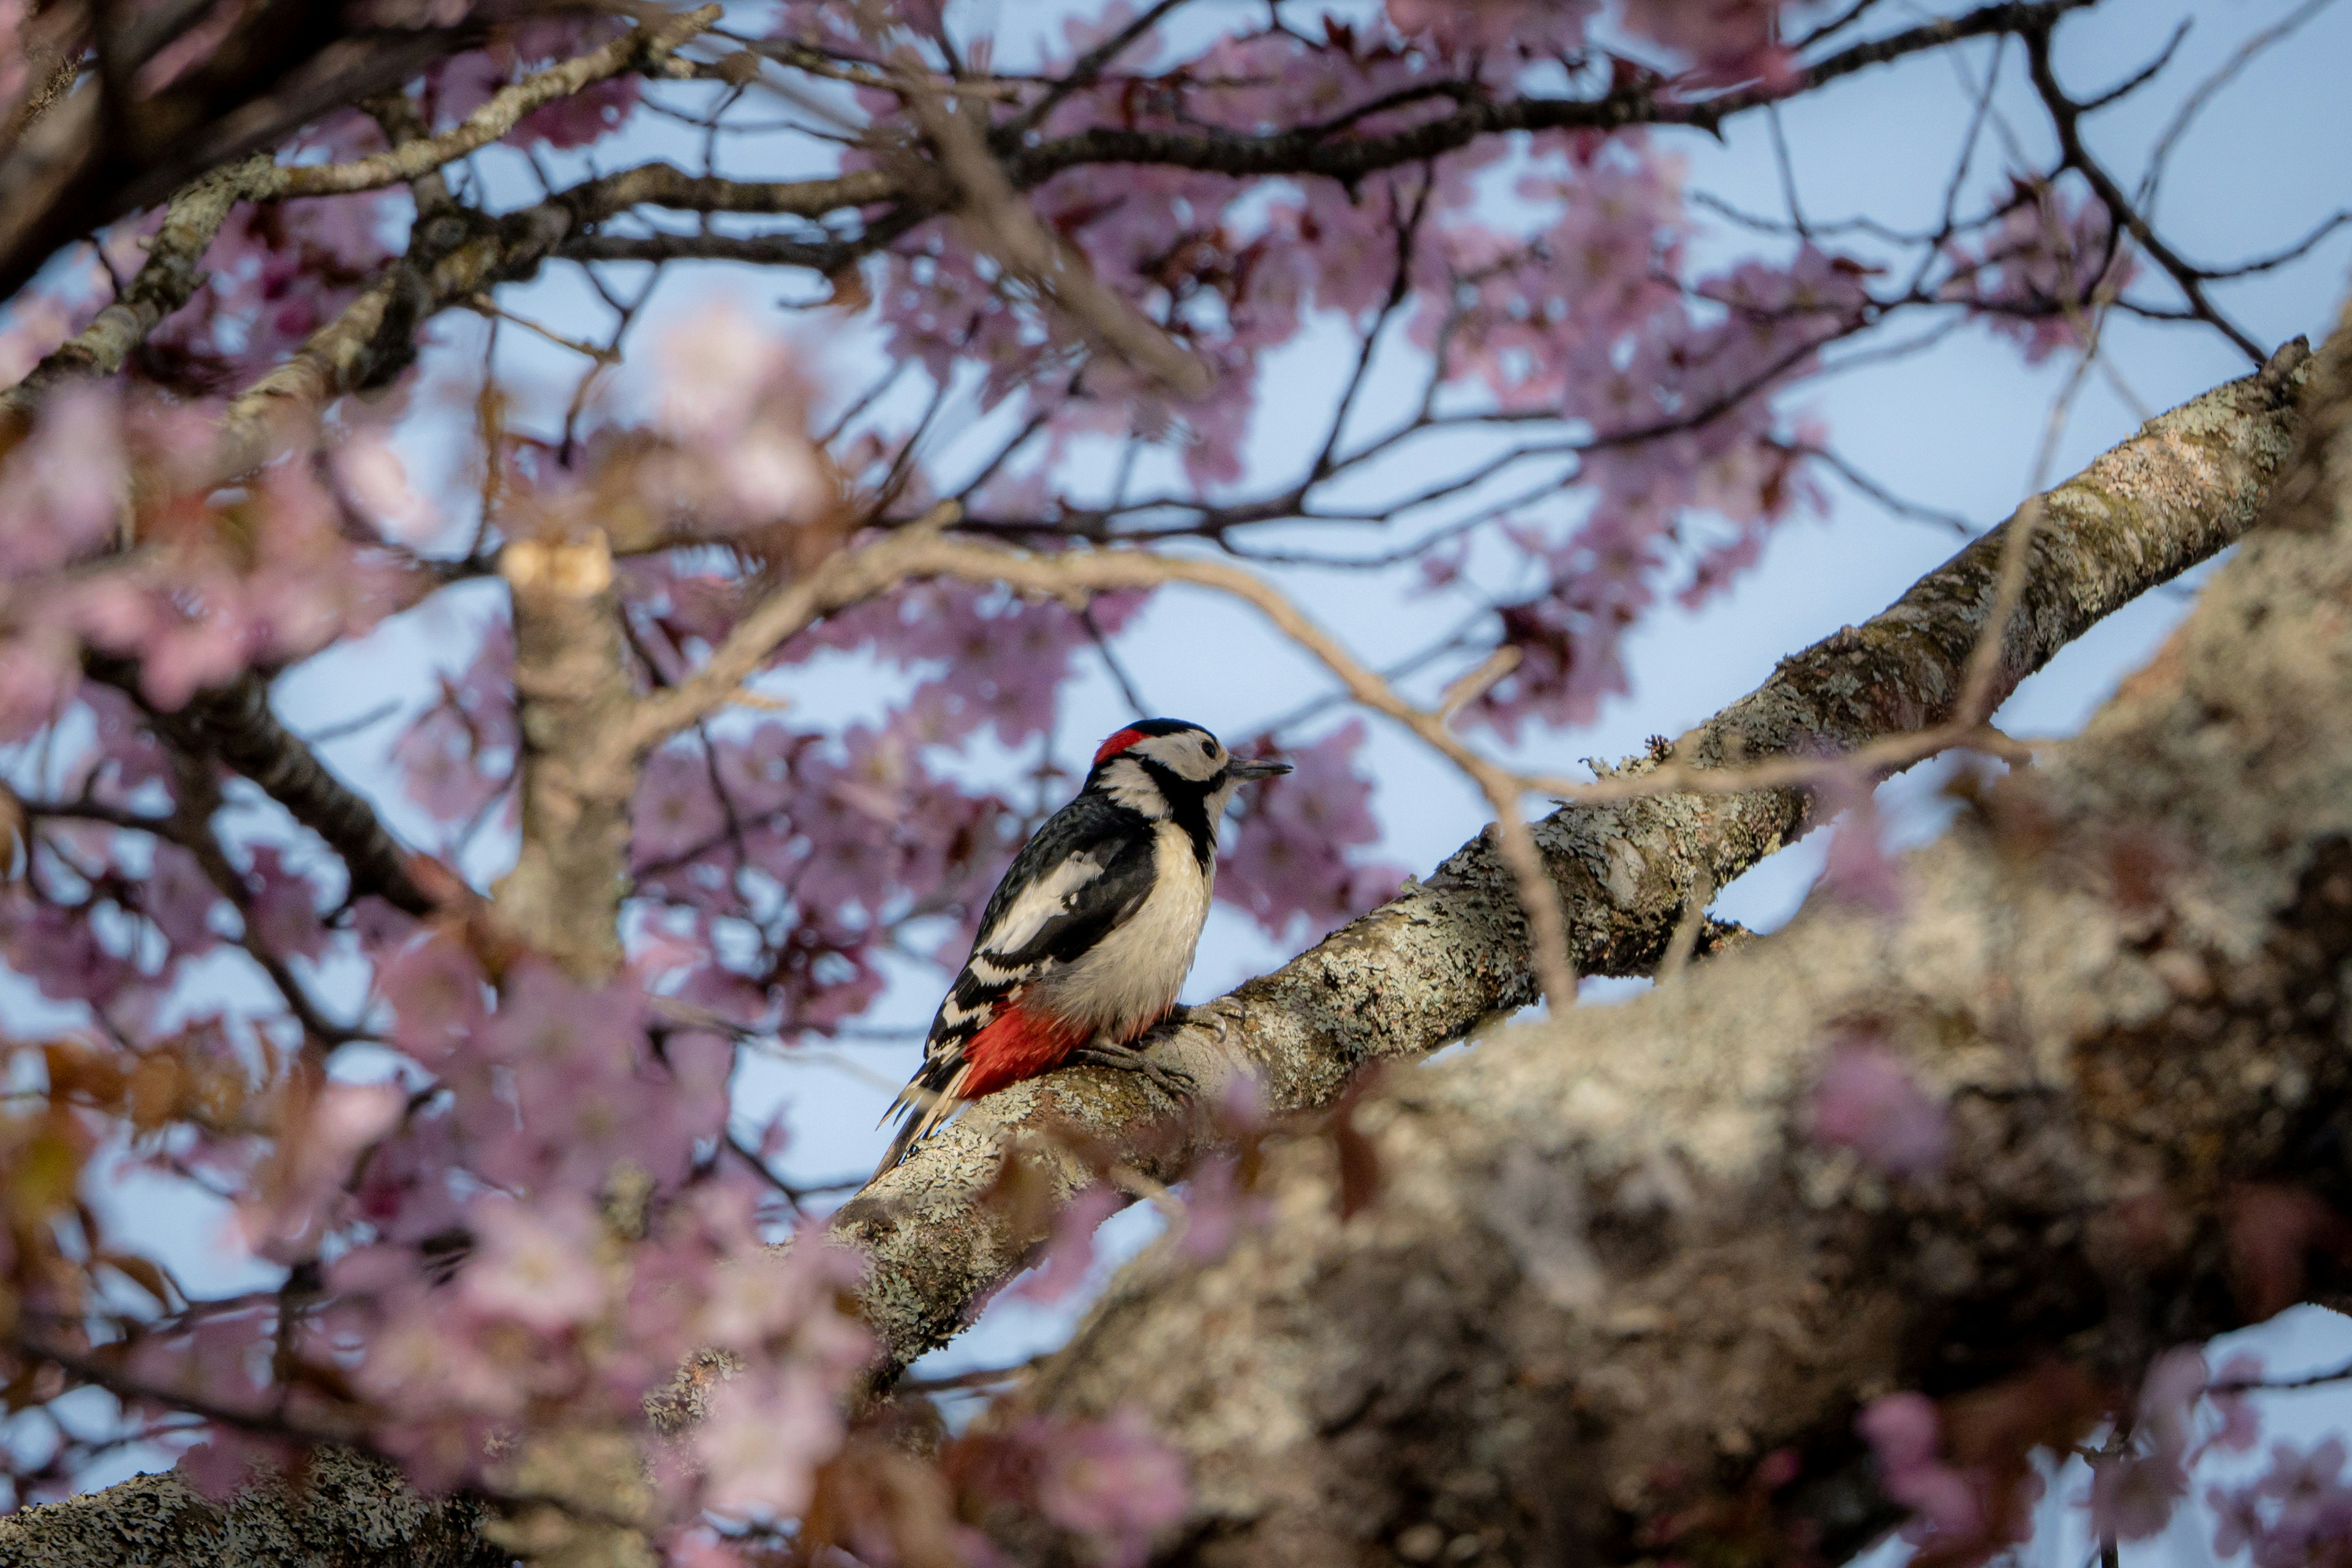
1114	839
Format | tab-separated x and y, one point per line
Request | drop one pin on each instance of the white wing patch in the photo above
1027	914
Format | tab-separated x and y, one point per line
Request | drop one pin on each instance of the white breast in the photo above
1133	975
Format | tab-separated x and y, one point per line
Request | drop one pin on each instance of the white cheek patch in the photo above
1126	782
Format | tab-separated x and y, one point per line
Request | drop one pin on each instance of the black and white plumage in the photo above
1086	940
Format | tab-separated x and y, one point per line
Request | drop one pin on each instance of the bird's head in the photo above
1156	761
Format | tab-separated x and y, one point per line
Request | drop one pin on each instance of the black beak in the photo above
1251	768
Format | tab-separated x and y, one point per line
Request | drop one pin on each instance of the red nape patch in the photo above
1117	745
1016	1044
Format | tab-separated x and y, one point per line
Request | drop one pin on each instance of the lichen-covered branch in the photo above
1429	966
164	283
649	47
573	690
342	1508
1612	1261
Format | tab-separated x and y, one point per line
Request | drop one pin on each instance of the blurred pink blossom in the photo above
1069	1256
1867	1101
1112	1480
767	1432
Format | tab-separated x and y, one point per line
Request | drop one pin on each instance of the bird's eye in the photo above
1208	748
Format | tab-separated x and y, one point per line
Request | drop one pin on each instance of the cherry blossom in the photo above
1291	859
1867	1101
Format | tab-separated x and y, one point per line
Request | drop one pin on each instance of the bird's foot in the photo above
1177	1083
1175	1018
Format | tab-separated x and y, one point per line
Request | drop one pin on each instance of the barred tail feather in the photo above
929	1099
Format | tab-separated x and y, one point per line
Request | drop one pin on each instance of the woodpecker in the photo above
1086	940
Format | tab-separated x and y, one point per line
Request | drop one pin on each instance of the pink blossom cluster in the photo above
278	272
1457	29
2043	268
1584	313
1903	1432
1727	40
1290	863
1111	1484
263	575
462	84
602	1247
529	1236
1867	1101
517	1233
2296	1510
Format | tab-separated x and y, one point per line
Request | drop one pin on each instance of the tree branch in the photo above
647	47
1353	158
344	1509
166	280
571	685
234	726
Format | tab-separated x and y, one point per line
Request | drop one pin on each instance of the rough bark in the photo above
1609	1265
165	281
573	693
344	1510
1427	968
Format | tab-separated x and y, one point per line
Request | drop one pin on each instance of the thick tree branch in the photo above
572	683
1423	970
85	163
1613	1262
344	1509
165	281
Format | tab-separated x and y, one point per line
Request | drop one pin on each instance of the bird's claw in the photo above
1175	1082
1175	1018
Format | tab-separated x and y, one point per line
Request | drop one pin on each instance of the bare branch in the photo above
1003	225
646	46
2065	116
1354	158
234	726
